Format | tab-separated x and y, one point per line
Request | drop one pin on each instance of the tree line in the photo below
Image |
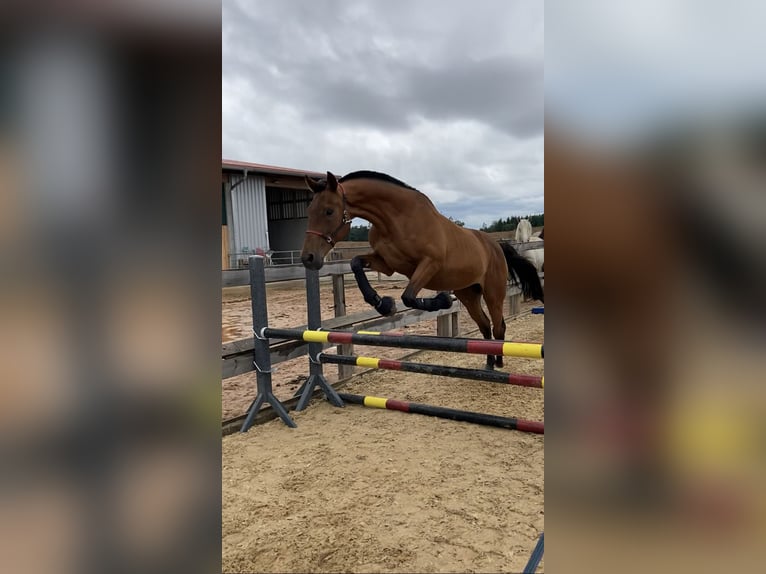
510	223
361	232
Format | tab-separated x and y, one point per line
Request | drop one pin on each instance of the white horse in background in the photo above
523	231
524	235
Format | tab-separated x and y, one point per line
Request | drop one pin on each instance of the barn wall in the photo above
287	234
248	215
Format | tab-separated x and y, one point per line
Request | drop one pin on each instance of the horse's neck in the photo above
376	202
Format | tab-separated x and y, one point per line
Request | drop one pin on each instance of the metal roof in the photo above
256	168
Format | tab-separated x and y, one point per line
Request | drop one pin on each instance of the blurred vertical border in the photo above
655	172
110	140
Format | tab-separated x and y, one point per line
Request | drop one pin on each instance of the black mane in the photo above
365	174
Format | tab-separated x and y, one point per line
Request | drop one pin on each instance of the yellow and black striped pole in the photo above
449	344
445	413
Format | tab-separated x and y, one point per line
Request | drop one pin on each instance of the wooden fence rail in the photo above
239	277
237	356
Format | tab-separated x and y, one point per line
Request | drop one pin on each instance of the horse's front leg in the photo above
372	262
424	272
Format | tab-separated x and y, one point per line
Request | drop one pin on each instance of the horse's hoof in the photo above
489	367
443	300
386	307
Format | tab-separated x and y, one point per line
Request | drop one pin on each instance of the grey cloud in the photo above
367	84
354	103
506	93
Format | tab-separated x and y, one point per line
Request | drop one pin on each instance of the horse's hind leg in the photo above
495	298
471	299
372	262
423	273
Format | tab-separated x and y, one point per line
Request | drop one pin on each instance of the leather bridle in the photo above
330	238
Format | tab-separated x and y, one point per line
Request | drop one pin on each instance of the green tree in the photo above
457	221
510	223
359	233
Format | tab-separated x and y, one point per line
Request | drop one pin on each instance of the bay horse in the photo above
409	236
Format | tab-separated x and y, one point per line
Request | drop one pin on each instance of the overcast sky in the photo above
446	95
624	69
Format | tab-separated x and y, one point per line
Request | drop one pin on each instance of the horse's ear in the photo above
314	185
332	182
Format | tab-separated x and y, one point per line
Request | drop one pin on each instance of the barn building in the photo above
264	209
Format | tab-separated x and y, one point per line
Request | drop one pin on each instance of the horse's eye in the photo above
328	212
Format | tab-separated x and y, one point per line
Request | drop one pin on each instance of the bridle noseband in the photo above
330	238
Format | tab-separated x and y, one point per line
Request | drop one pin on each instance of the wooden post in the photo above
449	325
514	304
443	326
339	304
225	247
455	317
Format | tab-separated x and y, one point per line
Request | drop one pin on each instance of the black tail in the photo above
523	272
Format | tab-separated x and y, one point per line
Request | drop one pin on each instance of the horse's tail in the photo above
523	273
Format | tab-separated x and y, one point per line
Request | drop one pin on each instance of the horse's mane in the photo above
365	174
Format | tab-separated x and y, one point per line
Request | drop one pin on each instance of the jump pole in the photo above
262	357
538	310
439	370
445	413
448	344
537	555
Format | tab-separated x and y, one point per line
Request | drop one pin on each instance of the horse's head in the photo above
328	223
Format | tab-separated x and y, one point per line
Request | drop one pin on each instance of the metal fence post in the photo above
261	344
316	377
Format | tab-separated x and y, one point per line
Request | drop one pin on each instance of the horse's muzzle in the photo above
311	261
